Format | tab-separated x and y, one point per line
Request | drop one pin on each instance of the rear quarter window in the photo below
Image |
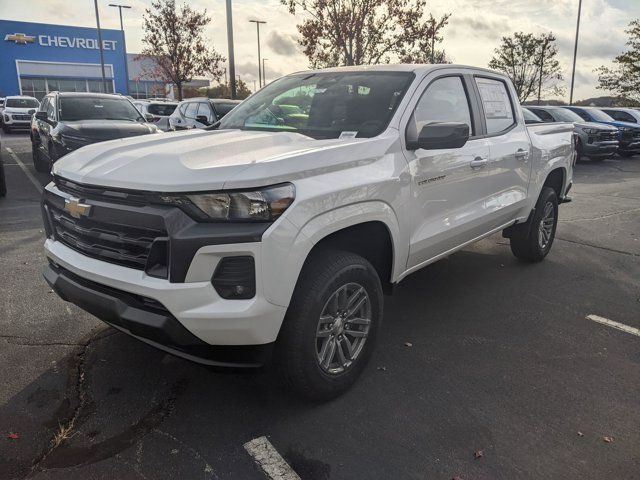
161	109
498	109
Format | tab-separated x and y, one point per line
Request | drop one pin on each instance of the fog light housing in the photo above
235	278
158	259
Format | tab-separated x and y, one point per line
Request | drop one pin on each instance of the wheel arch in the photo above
369	229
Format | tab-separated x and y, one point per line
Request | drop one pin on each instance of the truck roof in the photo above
401	67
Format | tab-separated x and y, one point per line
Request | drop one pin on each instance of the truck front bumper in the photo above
601	149
187	319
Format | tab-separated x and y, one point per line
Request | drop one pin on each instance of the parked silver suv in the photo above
595	140
156	111
200	112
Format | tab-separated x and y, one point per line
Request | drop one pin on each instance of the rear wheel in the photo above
330	328
532	241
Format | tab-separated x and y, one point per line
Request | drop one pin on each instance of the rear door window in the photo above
191	110
498	109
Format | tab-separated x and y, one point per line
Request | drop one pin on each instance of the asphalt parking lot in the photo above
505	378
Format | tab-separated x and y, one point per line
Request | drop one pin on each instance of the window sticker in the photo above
495	100
348	135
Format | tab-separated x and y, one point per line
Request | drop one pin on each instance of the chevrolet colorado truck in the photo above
273	236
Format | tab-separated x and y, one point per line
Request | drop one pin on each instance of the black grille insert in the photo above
120	244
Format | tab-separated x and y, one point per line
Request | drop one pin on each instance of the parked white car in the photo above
156	111
275	234
17	112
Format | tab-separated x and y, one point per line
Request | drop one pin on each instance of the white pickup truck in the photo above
273	236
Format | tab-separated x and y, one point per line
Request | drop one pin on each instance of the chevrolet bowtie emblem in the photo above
76	209
20	38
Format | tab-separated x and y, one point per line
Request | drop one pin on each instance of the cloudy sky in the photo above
473	32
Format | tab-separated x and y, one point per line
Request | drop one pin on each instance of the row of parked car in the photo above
601	132
66	121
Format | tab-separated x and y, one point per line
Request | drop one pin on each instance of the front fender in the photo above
282	261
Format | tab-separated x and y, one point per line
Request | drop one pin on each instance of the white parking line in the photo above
612	324
26	171
270	460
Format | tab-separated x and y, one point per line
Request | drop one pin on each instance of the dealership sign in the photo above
61	41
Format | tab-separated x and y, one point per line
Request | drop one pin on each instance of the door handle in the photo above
479	162
521	154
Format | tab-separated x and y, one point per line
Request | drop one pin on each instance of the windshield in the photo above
22	103
599	115
530	117
564	115
98	108
324	104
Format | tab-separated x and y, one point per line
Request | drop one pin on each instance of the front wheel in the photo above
330	328
39	163
6	129
627	154
532	241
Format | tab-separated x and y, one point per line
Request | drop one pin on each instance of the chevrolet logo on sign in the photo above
20	38
76	209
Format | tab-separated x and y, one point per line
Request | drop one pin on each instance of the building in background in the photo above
37	58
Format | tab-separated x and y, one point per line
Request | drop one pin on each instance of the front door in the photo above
448	205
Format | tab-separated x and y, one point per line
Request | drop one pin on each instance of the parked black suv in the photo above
67	121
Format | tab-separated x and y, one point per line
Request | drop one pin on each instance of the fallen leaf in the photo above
408	344
456	478
384	369
580	434
608	439
478	454
13	436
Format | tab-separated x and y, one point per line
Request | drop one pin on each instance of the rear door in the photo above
449	185
509	150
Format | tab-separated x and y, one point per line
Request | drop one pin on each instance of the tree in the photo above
424	48
358	32
624	78
174	39
223	90
530	62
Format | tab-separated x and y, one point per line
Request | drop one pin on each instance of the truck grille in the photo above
608	136
20	117
120	244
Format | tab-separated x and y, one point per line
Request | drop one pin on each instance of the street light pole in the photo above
258	22
232	65
124	44
575	53
104	81
264	74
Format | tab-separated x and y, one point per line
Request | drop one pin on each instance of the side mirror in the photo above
148	117
41	116
441	135
202	119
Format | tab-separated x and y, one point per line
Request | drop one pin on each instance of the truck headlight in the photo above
590	131
260	205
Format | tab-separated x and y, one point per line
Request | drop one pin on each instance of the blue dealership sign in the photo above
36	58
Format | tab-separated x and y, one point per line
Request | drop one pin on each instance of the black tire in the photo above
526	243
598	159
6	129
627	154
579	153
40	164
298	348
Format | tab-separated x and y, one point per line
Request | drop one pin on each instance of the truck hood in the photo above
595	125
198	160
100	130
633	126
